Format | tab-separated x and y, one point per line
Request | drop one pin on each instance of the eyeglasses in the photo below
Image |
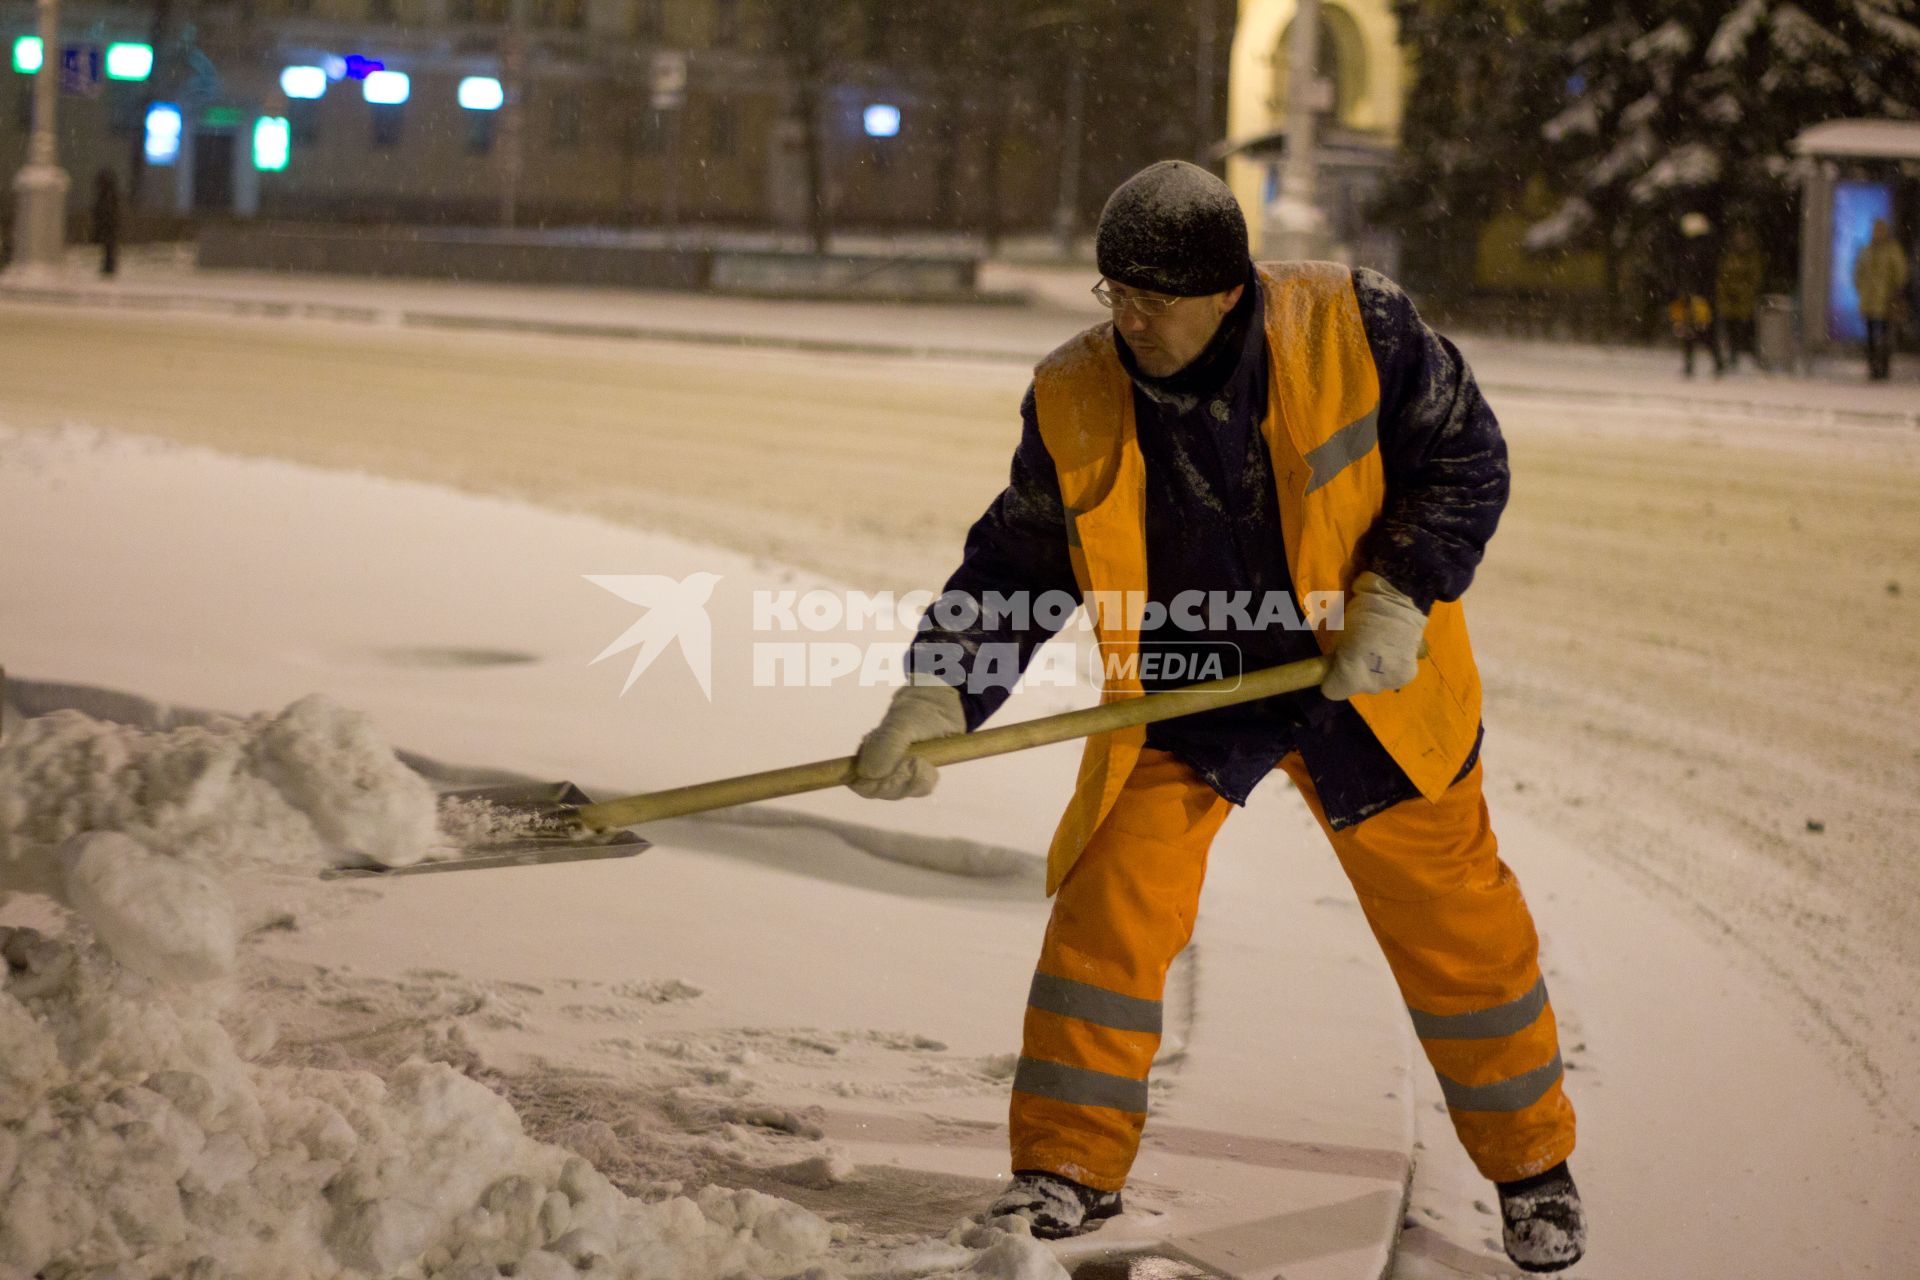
1145	304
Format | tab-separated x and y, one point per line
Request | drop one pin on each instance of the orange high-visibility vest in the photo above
1322	432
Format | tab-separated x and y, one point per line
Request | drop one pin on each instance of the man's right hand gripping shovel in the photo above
883	768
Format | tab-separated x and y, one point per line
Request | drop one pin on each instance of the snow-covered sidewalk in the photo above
819	1000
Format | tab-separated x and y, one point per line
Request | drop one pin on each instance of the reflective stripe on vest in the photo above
1322	432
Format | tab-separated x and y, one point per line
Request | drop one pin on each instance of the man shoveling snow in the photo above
1240	437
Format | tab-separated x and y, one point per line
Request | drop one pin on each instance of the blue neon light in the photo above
1855	206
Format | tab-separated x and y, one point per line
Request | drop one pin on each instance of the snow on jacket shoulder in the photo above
1446	471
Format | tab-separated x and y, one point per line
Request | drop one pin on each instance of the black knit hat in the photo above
1173	228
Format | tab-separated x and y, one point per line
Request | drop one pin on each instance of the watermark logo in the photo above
1201	662
676	612
808	638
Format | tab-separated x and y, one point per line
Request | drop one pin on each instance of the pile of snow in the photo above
143	1135
135	830
133	1131
314	785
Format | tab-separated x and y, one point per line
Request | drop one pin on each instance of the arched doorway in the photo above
1342	64
1360	61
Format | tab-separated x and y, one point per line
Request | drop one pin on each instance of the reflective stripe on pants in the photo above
1446	911
1123	913
1457	934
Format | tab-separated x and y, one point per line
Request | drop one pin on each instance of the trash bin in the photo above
1776	333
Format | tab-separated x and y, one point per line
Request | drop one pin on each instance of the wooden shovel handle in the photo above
725	792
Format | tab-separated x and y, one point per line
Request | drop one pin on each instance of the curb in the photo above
469	322
1716	408
341	313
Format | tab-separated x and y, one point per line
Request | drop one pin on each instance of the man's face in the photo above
1173	337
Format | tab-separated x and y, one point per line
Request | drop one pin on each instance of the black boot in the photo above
1544	1225
1053	1206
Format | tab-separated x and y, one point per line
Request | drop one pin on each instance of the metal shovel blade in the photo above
542	831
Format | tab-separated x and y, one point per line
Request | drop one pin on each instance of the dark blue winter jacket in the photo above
1213	525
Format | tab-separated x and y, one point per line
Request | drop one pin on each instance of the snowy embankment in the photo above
137	1131
758	1049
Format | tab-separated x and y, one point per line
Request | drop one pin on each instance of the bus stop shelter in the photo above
1860	171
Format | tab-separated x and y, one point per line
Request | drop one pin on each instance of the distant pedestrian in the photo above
1693	285
106	220
1880	278
1736	292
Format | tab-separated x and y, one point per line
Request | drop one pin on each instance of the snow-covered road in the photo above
1701	653
796	1000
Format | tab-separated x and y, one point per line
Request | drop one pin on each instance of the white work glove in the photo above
1379	645
883	770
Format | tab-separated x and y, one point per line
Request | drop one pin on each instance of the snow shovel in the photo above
532	831
556	822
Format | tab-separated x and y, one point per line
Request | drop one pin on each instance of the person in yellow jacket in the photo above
1691	309
1880	278
1274	461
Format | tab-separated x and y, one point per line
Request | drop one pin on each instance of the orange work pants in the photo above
1446	911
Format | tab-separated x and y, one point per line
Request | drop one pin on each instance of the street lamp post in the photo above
40	188
1066	207
513	111
1207	16
1066	211
1298	222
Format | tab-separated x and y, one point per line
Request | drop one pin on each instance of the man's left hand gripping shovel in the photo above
557	822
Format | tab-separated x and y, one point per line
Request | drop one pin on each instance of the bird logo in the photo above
676	610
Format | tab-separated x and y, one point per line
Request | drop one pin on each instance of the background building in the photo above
623	113
1363	71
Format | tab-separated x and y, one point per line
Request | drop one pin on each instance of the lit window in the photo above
481	93
27	55
272	142
304	82
163	133
881	120
387	88
129	61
